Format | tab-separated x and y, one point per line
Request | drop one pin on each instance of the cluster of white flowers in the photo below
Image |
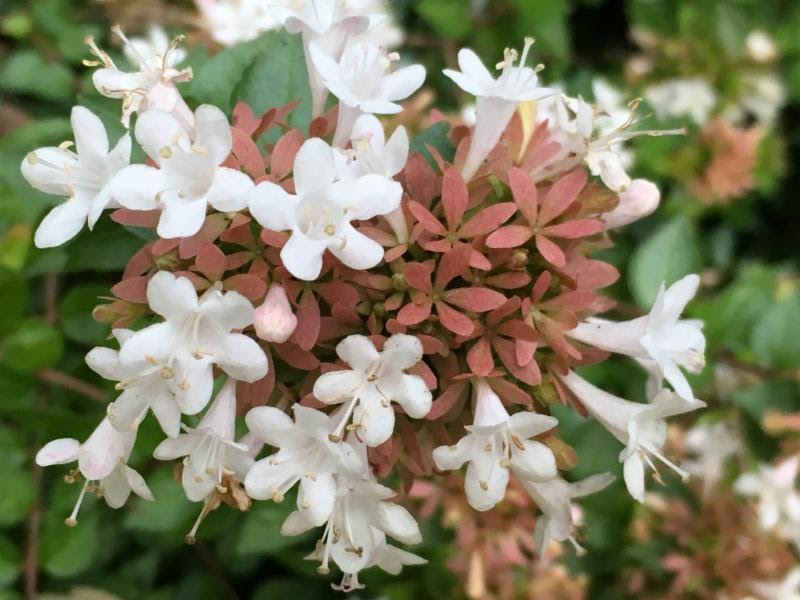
168	367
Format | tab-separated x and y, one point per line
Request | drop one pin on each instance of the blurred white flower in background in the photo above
693	98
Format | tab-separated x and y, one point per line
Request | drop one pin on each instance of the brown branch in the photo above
73	384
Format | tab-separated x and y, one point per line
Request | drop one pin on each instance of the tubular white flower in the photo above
352	535
274	319
694	98
362	83
710	445
82	176
306	455
373	153
231	22
102	458
320	213
375	380
554	498
155	71
141	390
211	452
196	335
641	427
775	488
190	176
327	25
153	50
659	341
496	99
496	444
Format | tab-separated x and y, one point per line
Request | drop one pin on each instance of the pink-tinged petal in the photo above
488	220
210	262
453	264
517	329
525	194
453	320
475	299
426	218
510	280
447	400
411	313
577	228
308	321
561	195
510	236
550	251
58	452
418	276
524	351
509	392
506	350
479	357
284	153
454	197
504	310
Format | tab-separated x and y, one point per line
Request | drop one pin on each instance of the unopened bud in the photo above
638	201
275	321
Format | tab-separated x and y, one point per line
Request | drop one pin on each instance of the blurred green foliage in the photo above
746	250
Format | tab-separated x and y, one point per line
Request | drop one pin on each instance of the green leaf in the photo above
17	496
75	311
448	18
169	513
13	299
27	73
68	551
671	252
10	560
260	533
277	76
435	136
35	345
775	341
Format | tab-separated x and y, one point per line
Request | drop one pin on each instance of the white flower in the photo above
776	491
554	498
711	445
195	336
375	380
362	83
141	389
496	99
212	454
495	444
152	50
760	46
155	72
274	319
383	30
320	213
328	25
350	538
189	177
660	341
693	98
641	427
787	588
102	458
306	454
373	153
82	176
639	200
612	110
763	96
231	22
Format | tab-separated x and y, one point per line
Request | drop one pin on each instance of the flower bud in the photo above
275	321
638	201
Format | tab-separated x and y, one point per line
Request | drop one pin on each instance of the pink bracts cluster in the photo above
412	313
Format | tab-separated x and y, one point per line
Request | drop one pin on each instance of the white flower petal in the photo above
61	224
316	496
230	190
58	452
